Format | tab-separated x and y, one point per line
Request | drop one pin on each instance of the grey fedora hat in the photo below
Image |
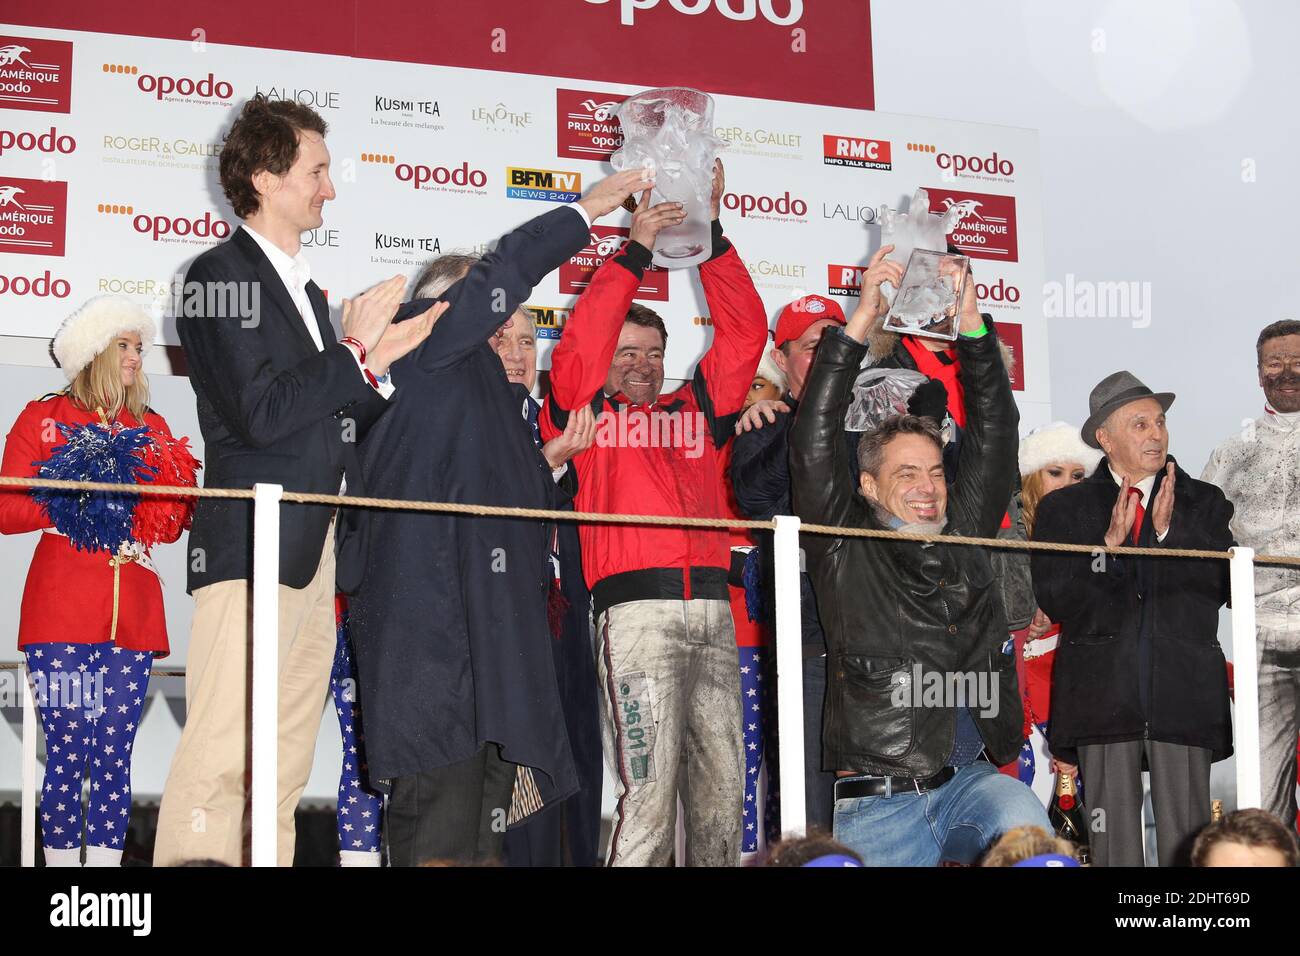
1112	392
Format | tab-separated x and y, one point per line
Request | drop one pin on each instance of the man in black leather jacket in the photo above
922	705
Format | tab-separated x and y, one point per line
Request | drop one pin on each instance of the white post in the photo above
789	675
266	669
27	838
1245	669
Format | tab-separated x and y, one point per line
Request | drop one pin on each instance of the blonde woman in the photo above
92	610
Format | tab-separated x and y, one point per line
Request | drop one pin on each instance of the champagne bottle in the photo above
1216	811
1067	815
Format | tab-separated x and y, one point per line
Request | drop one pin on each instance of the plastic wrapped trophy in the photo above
928	300
670	131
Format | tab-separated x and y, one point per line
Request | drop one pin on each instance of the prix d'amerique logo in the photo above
987	229
33	216
605	241
35	74
584	125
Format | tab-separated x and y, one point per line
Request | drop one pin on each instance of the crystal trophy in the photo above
928	300
670	132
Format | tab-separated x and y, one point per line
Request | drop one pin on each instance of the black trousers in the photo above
454	814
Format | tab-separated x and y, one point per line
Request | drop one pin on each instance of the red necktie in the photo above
1141	513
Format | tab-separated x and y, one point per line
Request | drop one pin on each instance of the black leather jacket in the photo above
890	607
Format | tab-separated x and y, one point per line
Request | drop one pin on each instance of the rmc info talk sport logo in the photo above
35	74
33	216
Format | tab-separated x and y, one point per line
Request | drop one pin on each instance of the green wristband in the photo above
983	331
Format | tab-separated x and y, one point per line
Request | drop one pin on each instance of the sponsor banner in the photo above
856	152
990	167
987	230
33	216
549	320
576	273
584	126
543	185
432	160
35	74
712	45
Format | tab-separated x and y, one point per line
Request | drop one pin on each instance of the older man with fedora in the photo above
1140	682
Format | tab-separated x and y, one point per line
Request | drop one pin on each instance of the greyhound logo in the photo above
13	53
7	194
606	245
599	111
964	208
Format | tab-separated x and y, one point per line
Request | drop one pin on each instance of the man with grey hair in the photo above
1257	469
450	612
922	705
1139	679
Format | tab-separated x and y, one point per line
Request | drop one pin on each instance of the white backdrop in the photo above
142	200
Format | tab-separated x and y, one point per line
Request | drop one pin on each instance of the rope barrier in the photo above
595	517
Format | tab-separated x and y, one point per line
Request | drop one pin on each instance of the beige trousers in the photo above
203	813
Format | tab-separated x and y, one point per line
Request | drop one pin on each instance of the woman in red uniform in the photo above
92	619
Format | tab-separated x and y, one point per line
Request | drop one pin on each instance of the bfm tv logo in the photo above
549	320
204	89
33	216
856	152
584	128
35	74
605	241
544	185
987	229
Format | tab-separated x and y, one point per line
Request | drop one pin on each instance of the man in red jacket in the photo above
667	649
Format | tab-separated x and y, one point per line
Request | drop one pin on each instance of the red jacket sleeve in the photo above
580	361
23	445
739	332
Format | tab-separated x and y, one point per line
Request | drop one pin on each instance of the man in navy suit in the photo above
280	401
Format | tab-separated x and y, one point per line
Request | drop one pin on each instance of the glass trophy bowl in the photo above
929	297
670	131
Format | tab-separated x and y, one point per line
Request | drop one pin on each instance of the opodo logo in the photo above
208	90
41	286
782	208
316	99
51	141
605	241
447	179
856	152
1001	294
987	229
992	167
544	185
748	9
549	320
35	74
843	280
584	126
33	216
204	230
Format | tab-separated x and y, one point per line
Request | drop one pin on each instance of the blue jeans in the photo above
956	822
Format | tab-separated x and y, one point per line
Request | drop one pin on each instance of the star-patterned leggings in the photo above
89	697
759	713
360	808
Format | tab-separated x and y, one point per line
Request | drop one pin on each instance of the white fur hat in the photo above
1058	442
93	327
767	368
